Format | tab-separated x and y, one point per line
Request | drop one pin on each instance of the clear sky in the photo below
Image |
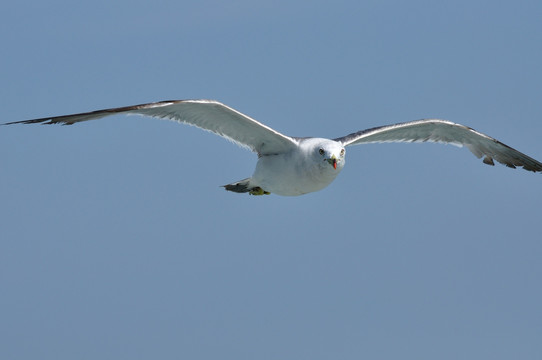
118	243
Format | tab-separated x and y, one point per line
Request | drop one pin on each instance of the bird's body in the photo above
299	171
293	166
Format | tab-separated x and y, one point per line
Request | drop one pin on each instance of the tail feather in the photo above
245	186
242	186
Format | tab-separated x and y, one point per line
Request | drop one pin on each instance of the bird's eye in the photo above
321	151
342	152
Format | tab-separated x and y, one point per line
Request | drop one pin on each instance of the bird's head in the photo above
330	153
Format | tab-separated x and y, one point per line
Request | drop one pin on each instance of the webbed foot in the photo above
258	191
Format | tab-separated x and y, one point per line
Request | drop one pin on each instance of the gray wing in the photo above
443	131
206	114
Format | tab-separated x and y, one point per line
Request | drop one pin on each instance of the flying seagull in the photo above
293	166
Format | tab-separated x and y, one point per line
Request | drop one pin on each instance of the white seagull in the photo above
293	166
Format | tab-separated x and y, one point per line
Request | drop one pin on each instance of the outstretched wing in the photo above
443	131
206	114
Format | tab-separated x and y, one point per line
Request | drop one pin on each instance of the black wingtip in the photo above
35	121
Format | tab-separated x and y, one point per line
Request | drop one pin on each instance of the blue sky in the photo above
118	243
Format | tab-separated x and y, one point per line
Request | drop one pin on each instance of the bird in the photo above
292	166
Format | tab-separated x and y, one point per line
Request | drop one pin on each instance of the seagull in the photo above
292	166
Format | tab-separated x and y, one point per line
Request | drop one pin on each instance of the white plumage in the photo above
295	166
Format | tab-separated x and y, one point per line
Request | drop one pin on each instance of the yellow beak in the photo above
333	161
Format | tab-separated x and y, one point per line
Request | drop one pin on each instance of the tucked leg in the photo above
258	191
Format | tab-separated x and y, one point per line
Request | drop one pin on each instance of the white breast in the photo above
293	173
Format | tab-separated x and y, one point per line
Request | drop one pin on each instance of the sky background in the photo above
118	243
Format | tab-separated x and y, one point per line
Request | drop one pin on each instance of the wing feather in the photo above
208	115
443	131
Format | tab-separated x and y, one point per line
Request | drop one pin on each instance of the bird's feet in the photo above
258	191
